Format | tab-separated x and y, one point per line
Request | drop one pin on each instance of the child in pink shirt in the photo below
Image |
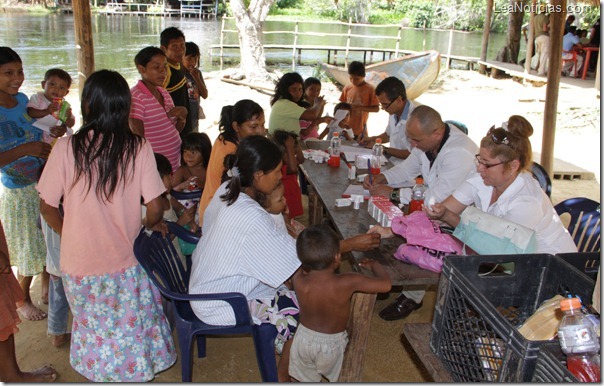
102	172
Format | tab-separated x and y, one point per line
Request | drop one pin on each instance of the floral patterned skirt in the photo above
282	311
20	214
119	332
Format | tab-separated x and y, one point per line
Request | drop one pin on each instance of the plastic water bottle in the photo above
579	342
334	152
417	195
376	157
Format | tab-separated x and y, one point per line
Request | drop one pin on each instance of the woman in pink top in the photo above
153	114
119	331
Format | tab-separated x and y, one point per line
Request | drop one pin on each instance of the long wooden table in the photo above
326	184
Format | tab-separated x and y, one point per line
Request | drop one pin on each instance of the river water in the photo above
46	41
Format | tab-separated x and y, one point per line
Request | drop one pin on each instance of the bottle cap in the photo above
336	134
569	304
419	180
378	140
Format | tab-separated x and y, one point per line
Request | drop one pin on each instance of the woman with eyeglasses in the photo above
504	187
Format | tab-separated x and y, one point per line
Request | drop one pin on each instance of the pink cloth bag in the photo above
426	245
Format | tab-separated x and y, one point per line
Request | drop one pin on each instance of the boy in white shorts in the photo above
324	298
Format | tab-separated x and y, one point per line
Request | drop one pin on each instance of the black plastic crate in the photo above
586	262
480	305
551	365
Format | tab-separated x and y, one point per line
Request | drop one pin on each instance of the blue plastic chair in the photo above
584	226
185	235
542	178
156	254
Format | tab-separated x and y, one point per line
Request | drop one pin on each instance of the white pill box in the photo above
340	202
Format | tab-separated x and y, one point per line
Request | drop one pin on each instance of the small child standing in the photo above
196	87
339	122
324	297
191	175
292	157
361	96
56	85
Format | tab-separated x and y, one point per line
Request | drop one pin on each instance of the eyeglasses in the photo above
500	136
480	162
388	105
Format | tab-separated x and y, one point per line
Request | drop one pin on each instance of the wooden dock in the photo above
187	8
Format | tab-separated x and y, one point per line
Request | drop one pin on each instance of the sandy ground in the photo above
474	99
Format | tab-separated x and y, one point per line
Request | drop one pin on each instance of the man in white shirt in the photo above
570	43
444	156
392	96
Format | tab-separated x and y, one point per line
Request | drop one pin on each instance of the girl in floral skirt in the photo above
119	331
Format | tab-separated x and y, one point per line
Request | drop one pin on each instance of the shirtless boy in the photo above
324	298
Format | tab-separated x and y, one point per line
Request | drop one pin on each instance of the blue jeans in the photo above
58	307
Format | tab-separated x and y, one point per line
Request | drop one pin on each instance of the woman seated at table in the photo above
504	187
243	251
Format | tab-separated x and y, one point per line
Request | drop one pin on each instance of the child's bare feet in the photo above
59	340
31	312
43	374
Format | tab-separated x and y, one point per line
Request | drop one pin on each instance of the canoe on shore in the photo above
417	71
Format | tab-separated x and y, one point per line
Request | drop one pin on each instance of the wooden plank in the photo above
358	334
418	335
512	69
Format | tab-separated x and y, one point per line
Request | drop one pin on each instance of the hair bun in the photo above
519	126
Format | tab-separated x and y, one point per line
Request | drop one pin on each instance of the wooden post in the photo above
222	42
348	42
398	41
424	42
83	41
294	48
450	44
597	85
553	84
529	41
485	35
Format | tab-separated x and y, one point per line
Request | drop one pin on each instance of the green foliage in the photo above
343	10
288	4
590	15
421	14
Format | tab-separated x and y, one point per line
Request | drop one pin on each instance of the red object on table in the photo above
588	50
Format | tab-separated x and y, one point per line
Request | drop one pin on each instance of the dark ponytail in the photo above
255	153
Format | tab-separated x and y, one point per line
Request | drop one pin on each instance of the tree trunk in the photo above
249	24
509	53
485	35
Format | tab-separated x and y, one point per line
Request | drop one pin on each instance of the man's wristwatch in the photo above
395	195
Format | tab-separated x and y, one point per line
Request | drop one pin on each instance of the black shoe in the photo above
399	309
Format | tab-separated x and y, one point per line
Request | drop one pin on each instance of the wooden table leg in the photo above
358	335
315	208
586	64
